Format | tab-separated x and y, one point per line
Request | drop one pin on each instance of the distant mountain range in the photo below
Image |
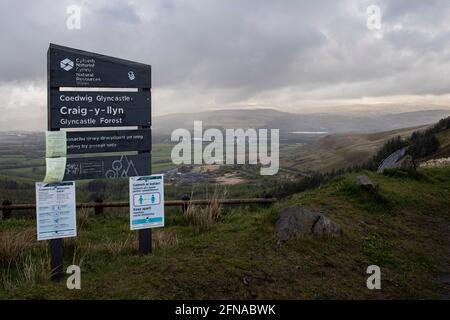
294	127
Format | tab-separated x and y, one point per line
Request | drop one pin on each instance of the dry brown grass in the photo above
80	253
25	260
163	239
116	248
82	218
35	269
204	217
13	245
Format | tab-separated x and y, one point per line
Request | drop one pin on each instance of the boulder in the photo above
364	182
298	220
326	227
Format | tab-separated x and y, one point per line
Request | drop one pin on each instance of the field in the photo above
23	166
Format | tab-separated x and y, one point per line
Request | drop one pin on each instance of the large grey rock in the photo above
364	182
326	227
298	220
391	161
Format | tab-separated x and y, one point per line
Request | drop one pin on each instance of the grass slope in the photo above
340	150
402	229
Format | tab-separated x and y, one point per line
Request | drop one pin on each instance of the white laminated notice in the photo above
146	202
55	169
55	210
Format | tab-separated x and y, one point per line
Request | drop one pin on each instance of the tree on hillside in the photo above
420	144
423	144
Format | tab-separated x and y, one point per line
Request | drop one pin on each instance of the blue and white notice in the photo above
55	210
146	202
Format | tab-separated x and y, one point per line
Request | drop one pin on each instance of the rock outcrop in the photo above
298	220
364	182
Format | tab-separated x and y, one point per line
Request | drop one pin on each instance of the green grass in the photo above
402	228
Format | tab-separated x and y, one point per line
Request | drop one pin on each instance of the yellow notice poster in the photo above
55	169
55	144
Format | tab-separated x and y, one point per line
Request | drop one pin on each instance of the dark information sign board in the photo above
82	142
108	167
90	90
79	109
70	67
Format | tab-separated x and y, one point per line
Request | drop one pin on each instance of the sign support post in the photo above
56	260
145	241
56	245
145	235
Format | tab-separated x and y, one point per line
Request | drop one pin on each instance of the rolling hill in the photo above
341	150
289	123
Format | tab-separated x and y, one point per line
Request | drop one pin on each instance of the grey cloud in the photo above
231	51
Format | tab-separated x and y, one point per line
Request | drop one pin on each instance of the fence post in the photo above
185	206
98	210
7	211
267	196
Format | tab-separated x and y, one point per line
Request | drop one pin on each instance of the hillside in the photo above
340	150
290	123
403	229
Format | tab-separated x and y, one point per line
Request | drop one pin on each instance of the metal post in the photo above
145	235
267	196
145	241
56	262
56	245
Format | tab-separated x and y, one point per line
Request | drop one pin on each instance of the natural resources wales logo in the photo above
66	64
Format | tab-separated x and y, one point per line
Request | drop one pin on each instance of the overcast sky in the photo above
290	55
